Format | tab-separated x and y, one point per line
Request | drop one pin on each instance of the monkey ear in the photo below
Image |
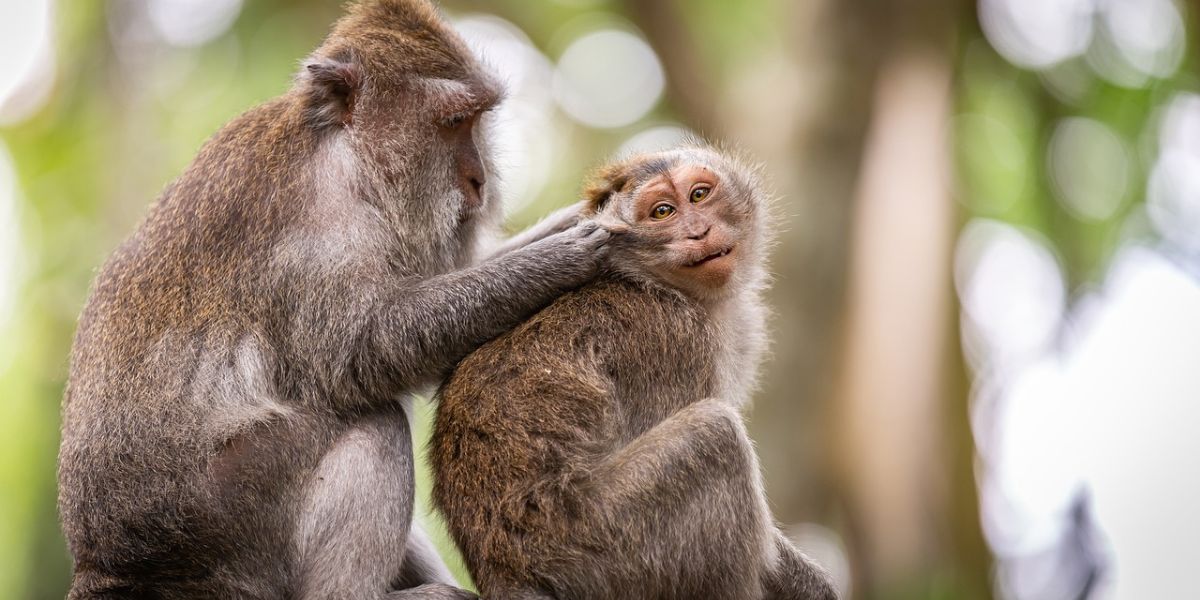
333	86
606	183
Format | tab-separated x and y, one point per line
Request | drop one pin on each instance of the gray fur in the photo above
235	420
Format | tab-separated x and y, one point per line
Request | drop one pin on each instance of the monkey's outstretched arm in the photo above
559	220
423	330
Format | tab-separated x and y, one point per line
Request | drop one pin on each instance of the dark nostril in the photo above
702	235
477	184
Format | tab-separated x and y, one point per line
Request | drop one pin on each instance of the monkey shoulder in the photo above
614	321
587	344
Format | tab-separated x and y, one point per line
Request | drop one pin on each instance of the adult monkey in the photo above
597	450
234	424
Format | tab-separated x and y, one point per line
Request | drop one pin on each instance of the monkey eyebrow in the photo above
644	172
650	168
462	96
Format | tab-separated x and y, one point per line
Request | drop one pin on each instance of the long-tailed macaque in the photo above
235	421
598	450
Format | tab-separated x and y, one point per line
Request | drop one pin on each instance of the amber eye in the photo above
700	193
662	211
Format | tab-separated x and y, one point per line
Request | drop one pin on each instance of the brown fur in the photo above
597	450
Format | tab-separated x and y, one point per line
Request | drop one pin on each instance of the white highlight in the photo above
1141	39
9	238
26	58
1012	292
654	139
1037	33
1089	167
608	78
1111	415
1173	192
1135	367
525	137
191	23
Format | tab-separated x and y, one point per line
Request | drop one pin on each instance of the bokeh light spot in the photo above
1037	33
9	237
654	139
524	136
1089	167
608	78
1139	39
191	23
1012	290
26	58
1173	192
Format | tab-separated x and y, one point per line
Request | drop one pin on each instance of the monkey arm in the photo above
559	220
422	330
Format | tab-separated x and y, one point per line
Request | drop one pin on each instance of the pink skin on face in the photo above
685	204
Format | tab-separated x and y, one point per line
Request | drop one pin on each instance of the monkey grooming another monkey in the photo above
235	420
597	450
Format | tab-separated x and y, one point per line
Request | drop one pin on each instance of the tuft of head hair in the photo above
397	15
407	36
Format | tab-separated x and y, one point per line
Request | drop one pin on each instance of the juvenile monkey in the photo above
597	450
235	420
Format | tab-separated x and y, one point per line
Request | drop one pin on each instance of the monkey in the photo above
598	450
236	419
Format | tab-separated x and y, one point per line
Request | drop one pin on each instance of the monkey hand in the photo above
578	250
613	224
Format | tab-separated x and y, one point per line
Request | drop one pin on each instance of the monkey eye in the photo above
662	211
700	193
456	120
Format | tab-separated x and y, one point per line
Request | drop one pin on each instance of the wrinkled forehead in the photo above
657	169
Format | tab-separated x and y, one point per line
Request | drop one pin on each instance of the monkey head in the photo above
691	217
401	104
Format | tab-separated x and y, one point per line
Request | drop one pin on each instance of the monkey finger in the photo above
613	225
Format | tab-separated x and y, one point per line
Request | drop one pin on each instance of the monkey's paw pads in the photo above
433	591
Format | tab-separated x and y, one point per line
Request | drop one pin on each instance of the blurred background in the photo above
986	369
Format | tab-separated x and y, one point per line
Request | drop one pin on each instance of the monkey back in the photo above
524	419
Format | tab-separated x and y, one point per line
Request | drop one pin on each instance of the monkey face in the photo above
398	91
689	218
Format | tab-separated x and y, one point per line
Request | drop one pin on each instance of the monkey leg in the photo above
422	563
356	515
703	455
684	508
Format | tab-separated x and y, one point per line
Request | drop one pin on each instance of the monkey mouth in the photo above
711	257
